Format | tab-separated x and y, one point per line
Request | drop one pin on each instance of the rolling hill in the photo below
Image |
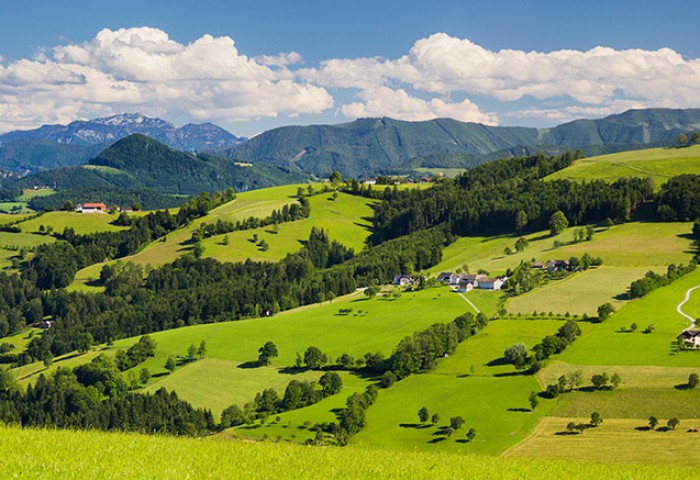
367	146
140	162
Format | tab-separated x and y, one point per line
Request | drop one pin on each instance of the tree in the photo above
423	414
456	422
48	360
388	379
615	380
336	178
653	422
314	358
136	206
435	419
558	223
570	427
202	350
144	376
596	419
516	354
170	364
600	380
520	220
232	417
695	138
673	423
521	244
471	434
682	140
371	291
83	342
604	311
693	380
534	401
191	353
331	383
267	352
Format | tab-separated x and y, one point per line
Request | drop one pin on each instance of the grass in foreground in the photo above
614	441
117	456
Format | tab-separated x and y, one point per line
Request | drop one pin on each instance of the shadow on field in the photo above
522	410
417	426
682	386
437	440
246	365
512	374
645	428
161	374
567	434
462	440
499	362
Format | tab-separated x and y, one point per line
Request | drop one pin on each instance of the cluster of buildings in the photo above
552	265
98	208
464	282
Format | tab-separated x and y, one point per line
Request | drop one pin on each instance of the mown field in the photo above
118	455
657	163
615	440
82	223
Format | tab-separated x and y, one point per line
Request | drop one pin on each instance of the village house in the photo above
92	208
403	280
370	181
691	337
491	283
444	277
465	285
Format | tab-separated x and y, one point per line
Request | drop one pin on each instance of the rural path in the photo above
679	308
471	304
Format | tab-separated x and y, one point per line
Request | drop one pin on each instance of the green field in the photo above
375	325
346	220
580	293
657	163
119	455
607	345
614	440
29	193
82	223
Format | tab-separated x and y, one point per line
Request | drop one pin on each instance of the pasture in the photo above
85	454
657	163
611	344
615	440
82	223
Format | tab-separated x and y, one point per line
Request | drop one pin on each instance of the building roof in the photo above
94	205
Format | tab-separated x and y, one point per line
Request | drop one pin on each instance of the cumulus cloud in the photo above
209	79
383	101
599	77
143	69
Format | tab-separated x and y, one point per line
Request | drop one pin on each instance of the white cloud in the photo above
441	65
143	69
383	101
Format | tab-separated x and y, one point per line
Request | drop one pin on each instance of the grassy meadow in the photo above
82	223
657	163
346	219
123	455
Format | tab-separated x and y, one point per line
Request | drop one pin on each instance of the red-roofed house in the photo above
92	207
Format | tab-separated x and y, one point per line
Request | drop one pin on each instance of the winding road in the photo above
679	308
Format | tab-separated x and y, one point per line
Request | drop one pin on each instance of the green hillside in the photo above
657	163
140	162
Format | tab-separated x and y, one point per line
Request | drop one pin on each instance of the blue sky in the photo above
499	62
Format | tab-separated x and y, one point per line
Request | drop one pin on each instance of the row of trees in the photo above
652	280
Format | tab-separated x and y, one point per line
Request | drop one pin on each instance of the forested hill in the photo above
140	162
369	146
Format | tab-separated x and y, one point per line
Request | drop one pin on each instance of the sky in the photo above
254	65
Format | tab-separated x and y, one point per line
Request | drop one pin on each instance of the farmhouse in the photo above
691	337
491	283
370	181
444	277
403	280
92	207
465	285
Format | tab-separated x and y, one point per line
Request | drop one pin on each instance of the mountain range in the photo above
369	146
363	147
52	146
